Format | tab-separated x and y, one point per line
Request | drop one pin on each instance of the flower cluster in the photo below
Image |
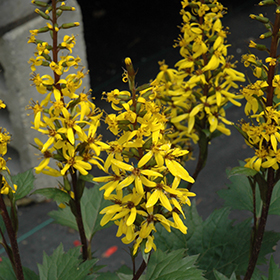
144	170
66	115
262	133
5	138
196	92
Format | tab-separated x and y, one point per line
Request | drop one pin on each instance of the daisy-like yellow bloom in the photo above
137	175
74	161
68	42
41	83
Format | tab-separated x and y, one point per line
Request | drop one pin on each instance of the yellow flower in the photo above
137	176
41	83
276	85
199	47
2	104
68	42
56	68
6	188
271	61
70	126
36	62
73	161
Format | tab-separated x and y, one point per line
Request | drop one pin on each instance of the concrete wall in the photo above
17	17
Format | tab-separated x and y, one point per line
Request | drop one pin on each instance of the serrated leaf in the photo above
8	273
24	182
92	202
176	238
107	275
241	170
220	245
55	194
274	271
220	276
64	266
274	208
122	276
239	194
172	266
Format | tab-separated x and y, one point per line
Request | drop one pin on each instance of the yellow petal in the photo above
165	202
145	159
153	198
139	186
131	217
179	223
122	165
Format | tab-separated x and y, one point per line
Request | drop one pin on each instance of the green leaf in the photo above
108	275
64	266
24	182
92	202
172	266
8	178
87	178
274	271
241	170
239	194
8	273
55	194
220	276
220	245
274	208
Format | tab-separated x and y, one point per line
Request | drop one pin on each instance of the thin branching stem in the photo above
261	226
12	237
78	216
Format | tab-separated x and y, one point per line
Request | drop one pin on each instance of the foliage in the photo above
92	202
215	241
64	266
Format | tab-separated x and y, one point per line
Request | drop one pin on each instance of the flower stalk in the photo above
79	219
15	256
264	117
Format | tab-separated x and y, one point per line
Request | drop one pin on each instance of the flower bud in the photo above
69	25
42	14
129	67
260	18
135	152
67	8
58	12
43	29
266	35
67	185
259	47
266	3
39	3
